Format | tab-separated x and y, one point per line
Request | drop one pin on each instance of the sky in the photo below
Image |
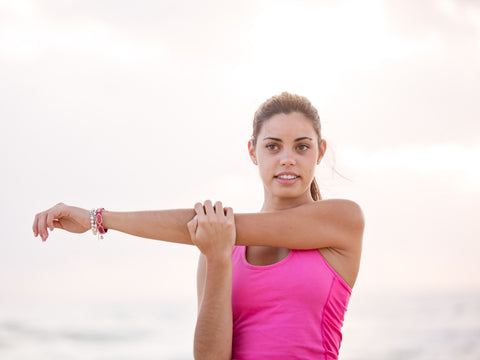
148	105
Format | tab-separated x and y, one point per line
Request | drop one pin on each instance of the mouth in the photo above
286	177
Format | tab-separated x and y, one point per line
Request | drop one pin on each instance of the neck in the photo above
271	203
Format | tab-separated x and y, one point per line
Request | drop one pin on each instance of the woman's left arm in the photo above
213	232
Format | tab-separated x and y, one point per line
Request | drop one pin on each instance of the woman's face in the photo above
286	153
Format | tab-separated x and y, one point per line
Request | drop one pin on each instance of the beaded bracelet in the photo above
100	229
93	222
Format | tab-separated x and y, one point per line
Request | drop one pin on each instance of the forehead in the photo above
284	126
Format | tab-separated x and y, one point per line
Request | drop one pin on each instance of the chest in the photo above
285	280
263	255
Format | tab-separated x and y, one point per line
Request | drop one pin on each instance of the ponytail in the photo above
315	191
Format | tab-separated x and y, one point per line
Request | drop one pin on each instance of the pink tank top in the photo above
292	309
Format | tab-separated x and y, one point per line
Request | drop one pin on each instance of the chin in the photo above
288	193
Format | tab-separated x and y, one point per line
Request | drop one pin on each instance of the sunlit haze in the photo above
148	105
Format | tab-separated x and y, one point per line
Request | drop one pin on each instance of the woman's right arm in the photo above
166	225
335	223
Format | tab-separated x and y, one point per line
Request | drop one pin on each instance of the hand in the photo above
69	218
212	230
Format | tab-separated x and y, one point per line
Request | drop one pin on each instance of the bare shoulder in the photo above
345	222
343	204
344	256
347	211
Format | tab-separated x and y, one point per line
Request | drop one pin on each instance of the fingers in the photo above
199	210
57	224
219	210
43	227
49	221
35	226
210	212
45	221
209	209
39	226
229	214
212	230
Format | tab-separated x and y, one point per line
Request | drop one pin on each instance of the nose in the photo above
287	158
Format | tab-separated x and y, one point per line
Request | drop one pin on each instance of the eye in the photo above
303	147
271	147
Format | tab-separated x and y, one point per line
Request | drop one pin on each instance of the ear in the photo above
251	151
321	151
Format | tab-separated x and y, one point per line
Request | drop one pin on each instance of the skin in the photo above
213	232
286	145
289	143
289	219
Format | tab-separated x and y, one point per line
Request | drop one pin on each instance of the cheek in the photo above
265	167
310	166
263	160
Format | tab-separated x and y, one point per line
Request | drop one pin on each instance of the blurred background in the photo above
148	105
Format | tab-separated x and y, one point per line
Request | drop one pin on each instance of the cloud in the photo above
320	44
165	91
369	68
206	29
27	34
453	22
434	159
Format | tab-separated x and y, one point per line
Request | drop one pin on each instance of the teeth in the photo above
287	177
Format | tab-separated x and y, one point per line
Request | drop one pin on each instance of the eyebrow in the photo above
280	140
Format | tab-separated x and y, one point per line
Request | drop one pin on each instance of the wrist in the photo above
219	260
107	219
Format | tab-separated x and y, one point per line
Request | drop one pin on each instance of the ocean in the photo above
428	326
389	327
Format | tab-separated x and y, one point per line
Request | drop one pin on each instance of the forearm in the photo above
213	333
166	225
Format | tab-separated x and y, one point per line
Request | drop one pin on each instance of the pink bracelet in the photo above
101	230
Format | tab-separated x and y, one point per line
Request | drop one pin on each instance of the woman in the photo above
273	284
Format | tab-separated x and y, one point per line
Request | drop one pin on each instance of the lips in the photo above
286	178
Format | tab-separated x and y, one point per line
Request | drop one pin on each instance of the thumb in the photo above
192	228
57	224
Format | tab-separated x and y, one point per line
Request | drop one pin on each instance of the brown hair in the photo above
286	103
